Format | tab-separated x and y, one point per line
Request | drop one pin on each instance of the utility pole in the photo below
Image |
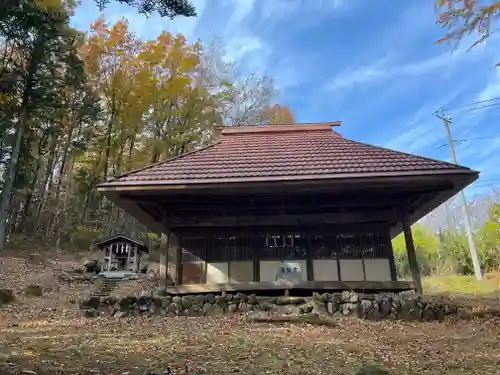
438	270
465	213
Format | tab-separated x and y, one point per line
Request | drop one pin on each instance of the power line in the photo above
418	123
474	103
476	139
471	139
475	108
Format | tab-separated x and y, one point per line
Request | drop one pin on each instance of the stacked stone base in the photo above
409	307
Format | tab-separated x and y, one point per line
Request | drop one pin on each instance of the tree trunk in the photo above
31	189
29	197
61	175
131	151
20	130
109	131
49	171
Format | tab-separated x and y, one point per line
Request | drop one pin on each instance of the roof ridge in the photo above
458	166
279	128
158	163
119	235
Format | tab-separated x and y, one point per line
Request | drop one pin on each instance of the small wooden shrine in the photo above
121	253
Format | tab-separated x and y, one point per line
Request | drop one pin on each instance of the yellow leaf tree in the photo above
109	55
181	109
278	114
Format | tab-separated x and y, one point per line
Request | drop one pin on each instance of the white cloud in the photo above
242	9
287	74
492	89
483	150
237	48
362	74
280	9
382	69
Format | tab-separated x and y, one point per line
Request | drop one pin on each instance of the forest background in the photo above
78	107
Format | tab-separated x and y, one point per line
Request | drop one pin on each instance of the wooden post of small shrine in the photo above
178	261
412	256
164	246
164	249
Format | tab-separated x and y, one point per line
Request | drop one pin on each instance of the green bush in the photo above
426	245
449	252
6	296
488	240
82	237
34	290
372	370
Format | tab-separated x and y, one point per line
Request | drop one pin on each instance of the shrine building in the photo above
287	206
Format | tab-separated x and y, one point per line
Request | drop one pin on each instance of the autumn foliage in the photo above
464	17
78	108
278	114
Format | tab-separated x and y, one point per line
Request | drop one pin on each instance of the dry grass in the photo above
463	284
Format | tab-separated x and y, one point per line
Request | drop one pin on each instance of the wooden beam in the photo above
412	256
284	220
297	200
304	285
314	228
283	210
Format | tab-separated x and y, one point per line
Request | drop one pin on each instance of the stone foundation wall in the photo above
336	305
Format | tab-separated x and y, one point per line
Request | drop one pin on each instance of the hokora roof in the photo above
119	237
282	152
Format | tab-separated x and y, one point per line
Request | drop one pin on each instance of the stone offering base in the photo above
403	306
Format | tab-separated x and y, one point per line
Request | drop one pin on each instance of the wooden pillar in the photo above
178	262
208	242
309	260
164	249
412	256
256	258
110	247
127	262
390	253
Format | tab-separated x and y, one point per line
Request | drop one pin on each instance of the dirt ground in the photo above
230	345
46	335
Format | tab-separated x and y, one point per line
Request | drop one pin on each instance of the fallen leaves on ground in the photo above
230	344
47	335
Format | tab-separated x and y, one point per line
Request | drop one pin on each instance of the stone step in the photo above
107	286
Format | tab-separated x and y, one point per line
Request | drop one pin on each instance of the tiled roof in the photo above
282	153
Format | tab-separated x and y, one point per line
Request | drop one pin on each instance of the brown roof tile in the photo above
281	152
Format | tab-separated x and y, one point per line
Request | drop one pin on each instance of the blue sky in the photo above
371	64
